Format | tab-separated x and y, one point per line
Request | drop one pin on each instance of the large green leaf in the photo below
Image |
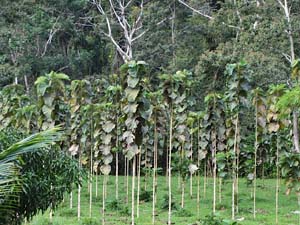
131	94
108	126
130	108
132	81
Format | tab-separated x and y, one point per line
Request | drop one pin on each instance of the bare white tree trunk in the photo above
71	200
26	84
131	29
287	11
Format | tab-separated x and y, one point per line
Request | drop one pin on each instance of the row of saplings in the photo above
132	121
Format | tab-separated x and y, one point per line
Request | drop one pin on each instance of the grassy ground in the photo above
265	205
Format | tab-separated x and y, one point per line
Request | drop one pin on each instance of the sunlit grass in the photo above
265	205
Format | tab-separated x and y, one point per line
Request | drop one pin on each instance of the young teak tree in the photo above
16	109
113	94
275	125
259	103
214	125
80	96
236	99
51	104
173	87
135	114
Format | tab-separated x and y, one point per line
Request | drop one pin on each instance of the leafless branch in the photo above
280	3
288	57
116	14
51	34
139	36
130	30
128	4
195	10
205	15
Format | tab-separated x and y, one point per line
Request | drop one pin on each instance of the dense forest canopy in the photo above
69	36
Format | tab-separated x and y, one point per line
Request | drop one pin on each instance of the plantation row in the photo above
134	124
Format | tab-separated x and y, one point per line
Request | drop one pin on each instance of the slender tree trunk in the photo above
71	200
191	175
154	185
237	175
127	180
51	208
292	49
138	184
133	189
296	131
287	11
71	196
298	198
214	161
198	172
255	159
78	203
182	192
174	32
234	169
117	175
198	194
180	155
146	166
26	84
169	166
220	190
91	171
104	198
89	181
96	183
91	198
79	193
205	179
117	162
277	177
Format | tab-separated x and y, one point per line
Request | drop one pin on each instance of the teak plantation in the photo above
149	112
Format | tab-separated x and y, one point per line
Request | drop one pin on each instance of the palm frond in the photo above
30	144
10	181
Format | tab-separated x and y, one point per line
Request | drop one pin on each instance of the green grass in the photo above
117	212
